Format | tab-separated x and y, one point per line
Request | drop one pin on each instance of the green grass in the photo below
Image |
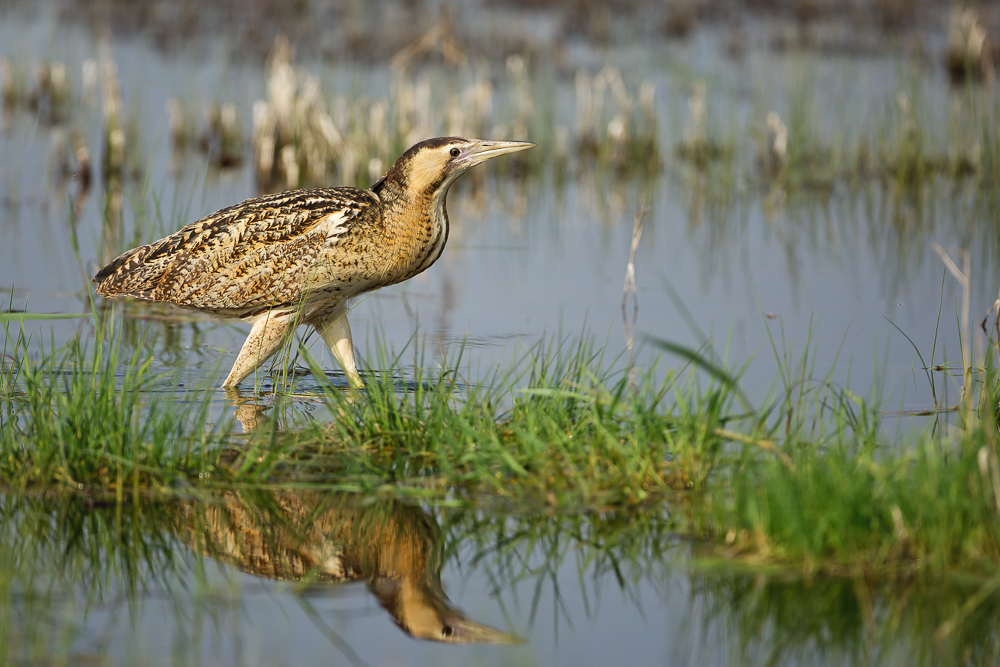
80	417
555	428
803	479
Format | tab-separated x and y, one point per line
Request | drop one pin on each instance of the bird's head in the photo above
433	165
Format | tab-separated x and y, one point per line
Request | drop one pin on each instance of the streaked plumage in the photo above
298	257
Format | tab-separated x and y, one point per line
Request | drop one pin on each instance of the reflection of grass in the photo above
850	620
69	564
745	615
67	560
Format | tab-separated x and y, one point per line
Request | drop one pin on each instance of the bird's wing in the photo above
255	255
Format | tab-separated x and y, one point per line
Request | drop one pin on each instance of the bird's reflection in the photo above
330	537
250	408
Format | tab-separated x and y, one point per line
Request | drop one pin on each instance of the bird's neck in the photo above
416	229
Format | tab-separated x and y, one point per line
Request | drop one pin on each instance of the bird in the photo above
303	256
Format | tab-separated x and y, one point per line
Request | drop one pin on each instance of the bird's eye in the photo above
455	152
447	630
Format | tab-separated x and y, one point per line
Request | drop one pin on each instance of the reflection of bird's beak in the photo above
482	151
470	632
422	610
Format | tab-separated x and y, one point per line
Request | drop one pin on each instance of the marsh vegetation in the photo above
788	453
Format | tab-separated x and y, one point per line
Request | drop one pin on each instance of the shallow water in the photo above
531	254
220	581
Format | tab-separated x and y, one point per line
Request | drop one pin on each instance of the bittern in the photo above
300	257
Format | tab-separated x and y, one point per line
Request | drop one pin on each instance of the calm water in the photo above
218	583
528	257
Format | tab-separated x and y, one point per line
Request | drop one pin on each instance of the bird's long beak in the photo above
482	151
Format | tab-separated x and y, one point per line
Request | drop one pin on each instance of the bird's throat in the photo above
417	232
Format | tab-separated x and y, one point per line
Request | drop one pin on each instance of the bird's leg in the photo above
336	332
268	333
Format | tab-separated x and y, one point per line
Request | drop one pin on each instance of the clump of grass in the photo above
302	135
218	136
80	418
557	428
847	503
11	84
698	146
845	510
968	55
305	133
48	95
803	480
613	126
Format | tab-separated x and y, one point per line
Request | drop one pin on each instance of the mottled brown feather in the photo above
260	253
